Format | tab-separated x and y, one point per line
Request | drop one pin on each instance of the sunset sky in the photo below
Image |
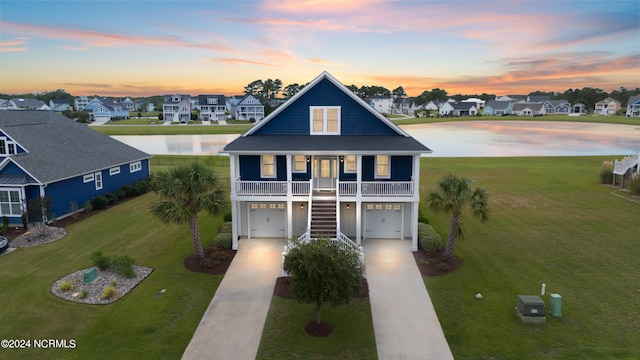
140	48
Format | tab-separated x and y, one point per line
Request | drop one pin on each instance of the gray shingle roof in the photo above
326	143
60	148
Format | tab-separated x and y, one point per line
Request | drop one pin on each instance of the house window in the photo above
134	167
184	108
87	178
350	164
10	202
299	163
325	120
382	166
98	180
7	147
268	166
212	101
114	171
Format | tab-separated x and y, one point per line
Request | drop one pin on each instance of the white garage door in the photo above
383	221
101	118
267	219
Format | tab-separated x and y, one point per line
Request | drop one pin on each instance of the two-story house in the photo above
608	106
557	107
212	107
177	108
46	155
325	163
383	104
103	110
245	107
80	102
633	106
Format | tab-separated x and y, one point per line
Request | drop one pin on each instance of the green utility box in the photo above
531	309
90	275
555	305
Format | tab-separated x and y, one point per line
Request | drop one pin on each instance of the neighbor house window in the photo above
268	166
7	147
350	164
299	163
114	171
136	166
87	178
325	120
98	180
10	202
382	166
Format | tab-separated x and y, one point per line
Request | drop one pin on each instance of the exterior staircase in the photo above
323	218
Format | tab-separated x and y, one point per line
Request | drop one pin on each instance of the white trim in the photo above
262	164
135	166
325	120
10	203
88	178
98	180
114	171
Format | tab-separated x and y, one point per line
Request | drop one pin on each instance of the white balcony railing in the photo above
345	188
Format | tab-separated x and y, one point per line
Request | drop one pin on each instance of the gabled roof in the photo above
634	100
498	105
28	103
464	105
608	100
532	106
203	99
59	148
363	128
556	103
60	102
538	98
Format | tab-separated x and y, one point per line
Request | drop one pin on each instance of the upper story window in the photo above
382	167
350	164
325	120
136	166
7	147
299	163
212	101
268	166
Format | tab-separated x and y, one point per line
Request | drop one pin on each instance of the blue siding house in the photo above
325	164
46	155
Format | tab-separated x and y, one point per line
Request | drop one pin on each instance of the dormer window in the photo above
7	147
325	120
212	101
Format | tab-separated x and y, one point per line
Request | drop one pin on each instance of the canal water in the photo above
454	139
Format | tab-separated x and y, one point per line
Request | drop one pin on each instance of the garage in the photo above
267	219
383	221
101	118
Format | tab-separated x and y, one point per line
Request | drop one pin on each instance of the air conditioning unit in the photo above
531	309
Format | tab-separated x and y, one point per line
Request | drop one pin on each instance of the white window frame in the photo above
98	180
88	178
299	163
8	146
325	110
11	203
386	175
135	167
350	161
263	166
114	171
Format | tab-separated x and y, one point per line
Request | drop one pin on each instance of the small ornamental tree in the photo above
322	273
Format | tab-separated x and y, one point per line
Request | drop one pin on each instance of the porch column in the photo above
289	232
235	221
414	226
358	222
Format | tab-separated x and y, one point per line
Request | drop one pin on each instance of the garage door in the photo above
383	221
267	219
101	118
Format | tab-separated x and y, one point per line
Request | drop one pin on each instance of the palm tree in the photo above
451	196
186	190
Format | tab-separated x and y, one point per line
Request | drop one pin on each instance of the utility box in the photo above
555	305
531	309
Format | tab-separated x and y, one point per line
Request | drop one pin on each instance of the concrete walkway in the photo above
231	327
404	321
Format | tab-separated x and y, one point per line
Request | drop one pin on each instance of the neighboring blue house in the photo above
633	106
46	155
557	107
495	107
325	163
103	110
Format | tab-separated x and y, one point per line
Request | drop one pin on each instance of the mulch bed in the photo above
193	263
432	264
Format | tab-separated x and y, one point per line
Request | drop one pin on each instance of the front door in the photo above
325	172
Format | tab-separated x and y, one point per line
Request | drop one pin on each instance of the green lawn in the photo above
551	223
140	325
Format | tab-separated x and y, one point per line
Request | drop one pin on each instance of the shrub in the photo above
109	291
99	202
227	217
121	194
207	263
422	218
114	283
429	239
606	173
87	206
123	265
634	184
111	198
82	294
65	285
5	225
103	262
223	240
127	190
25	220
226	227
141	187
219	256
73	206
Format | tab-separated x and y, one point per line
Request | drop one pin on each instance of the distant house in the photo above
60	105
325	163
245	107
177	108
497	108
401	105
529	109
129	104
633	106
27	104
538	98
384	104
445	108
4	104
465	109
212	107
480	104
103	110
557	107
608	106
578	108
46	155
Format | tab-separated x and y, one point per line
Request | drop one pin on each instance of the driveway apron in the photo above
404	321
231	327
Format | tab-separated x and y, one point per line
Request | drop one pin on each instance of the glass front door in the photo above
325	172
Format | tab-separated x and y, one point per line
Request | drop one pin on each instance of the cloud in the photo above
323	62
231	61
91	38
13	45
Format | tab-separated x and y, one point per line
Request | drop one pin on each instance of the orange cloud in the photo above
231	61
323	62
